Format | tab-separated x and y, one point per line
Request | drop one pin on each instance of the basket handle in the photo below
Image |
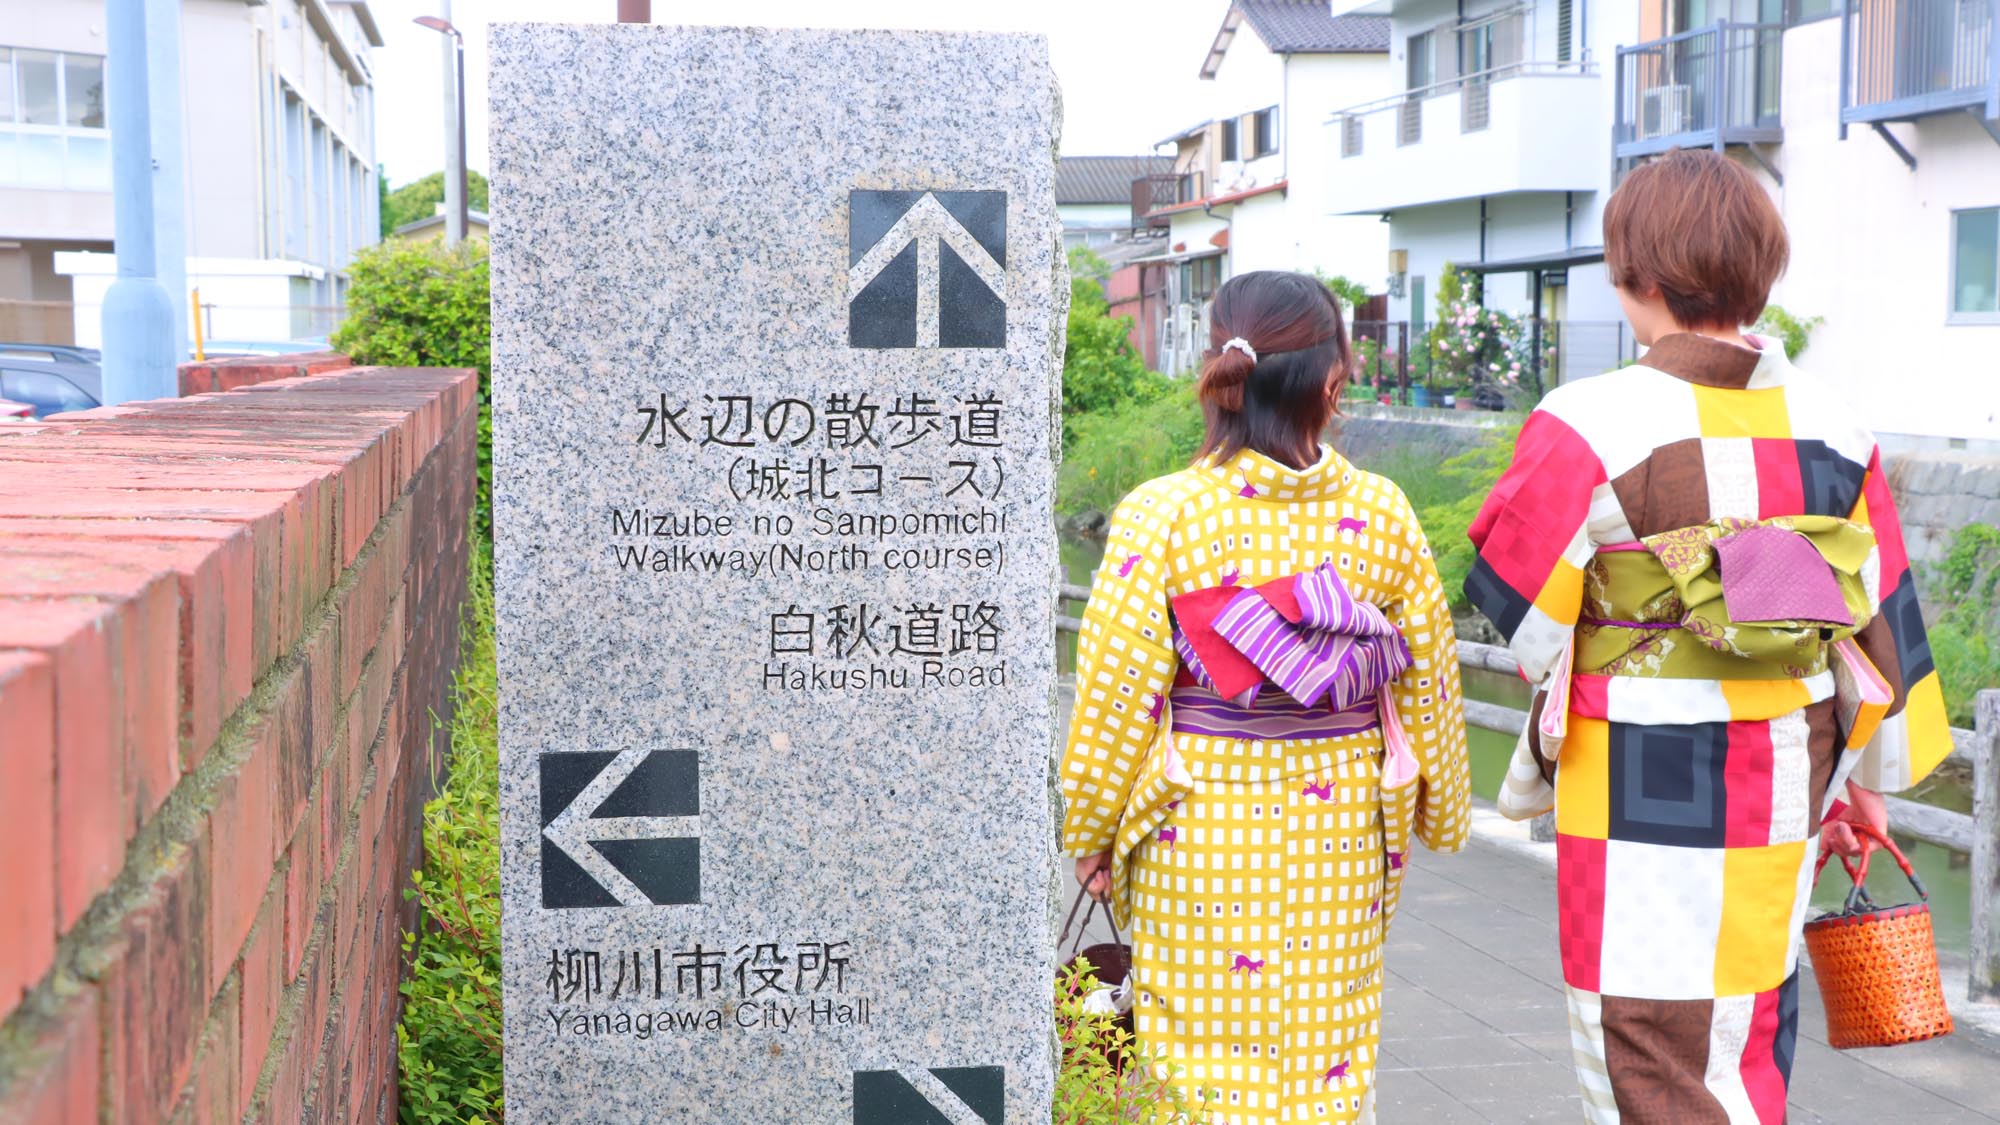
1858	871
1082	896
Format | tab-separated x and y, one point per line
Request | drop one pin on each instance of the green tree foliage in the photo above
1795	331
423	304
1100	368
420	198
1353	295
1110	452
1965	638
449	1041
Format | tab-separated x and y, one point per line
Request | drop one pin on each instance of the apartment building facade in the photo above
278	132
1872	123
1249	186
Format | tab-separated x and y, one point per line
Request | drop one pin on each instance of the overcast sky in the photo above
1127	67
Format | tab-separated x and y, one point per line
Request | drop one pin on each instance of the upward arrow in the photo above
573	828
927	223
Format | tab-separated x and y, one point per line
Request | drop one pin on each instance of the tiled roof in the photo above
1105	179
1307	26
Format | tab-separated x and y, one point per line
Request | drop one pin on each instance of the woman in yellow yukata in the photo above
1267	710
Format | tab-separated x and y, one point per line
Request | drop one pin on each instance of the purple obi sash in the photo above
1329	653
1199	711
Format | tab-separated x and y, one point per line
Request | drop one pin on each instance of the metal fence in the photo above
1976	836
1569	350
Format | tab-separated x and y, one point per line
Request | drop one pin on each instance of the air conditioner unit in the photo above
1665	111
1235	176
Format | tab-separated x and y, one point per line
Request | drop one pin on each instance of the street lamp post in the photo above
457	215
140	339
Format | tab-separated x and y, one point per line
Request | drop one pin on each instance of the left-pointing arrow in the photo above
629	840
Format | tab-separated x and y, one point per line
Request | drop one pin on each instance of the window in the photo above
52	127
1228	140
1417	62
1565	29
1201	277
1975	266
1264	132
1806	11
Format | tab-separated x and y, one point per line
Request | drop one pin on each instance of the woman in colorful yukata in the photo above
1698	561
1267	710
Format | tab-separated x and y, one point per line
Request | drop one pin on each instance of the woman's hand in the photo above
1864	806
1093	874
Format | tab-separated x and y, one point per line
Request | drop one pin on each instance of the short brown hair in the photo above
1276	396
1700	228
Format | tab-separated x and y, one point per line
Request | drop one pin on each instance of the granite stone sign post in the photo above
777	328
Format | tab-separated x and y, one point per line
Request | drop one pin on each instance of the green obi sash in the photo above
1731	599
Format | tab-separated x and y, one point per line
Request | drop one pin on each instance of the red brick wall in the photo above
226	622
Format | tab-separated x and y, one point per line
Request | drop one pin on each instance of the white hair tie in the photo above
1241	345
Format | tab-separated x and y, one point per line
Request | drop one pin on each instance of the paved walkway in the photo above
1475	1029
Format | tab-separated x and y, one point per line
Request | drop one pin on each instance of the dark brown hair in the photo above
1698	227
1278	403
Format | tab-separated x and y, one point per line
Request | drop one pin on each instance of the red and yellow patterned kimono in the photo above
1691	782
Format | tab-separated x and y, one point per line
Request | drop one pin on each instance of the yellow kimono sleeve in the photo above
1125	664
1429	703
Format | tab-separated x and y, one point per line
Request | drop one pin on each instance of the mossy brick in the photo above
214	1084
83	640
28	831
242	852
62	1069
302	890
157	989
262	968
148	696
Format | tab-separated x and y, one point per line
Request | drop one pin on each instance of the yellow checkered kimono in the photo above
1260	886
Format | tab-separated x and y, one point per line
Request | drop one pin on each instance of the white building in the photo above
1510	123
278	120
1250	186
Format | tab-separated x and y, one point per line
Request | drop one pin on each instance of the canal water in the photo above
1947	876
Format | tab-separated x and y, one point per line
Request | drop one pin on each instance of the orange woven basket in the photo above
1877	966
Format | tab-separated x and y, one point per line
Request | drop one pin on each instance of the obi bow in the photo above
1304	633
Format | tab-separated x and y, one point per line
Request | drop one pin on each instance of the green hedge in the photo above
449	1040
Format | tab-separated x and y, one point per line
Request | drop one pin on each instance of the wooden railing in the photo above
1977	835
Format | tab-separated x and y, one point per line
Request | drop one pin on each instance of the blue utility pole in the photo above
170	223
140	343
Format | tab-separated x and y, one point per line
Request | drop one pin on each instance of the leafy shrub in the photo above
1794	331
1112	451
1089	1089
423	304
1447	497
449	1042
1353	294
1101	371
1962	586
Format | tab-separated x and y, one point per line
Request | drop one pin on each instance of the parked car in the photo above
49	353
11	411
51	388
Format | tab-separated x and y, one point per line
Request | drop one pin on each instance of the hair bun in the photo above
1222	379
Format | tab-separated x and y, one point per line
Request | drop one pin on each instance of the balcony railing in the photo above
1905	59
1408	105
1154	193
1706	87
